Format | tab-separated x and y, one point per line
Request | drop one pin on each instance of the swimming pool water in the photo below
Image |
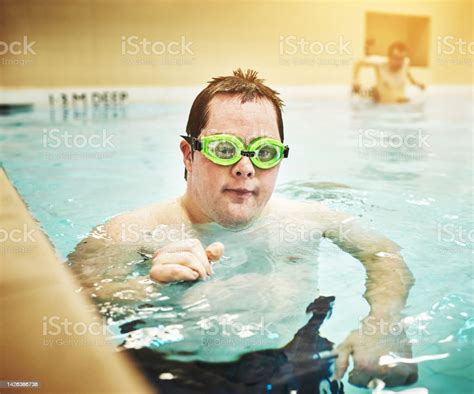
405	170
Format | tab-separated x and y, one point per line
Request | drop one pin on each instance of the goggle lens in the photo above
227	150
224	150
267	153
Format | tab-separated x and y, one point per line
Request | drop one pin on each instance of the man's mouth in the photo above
239	192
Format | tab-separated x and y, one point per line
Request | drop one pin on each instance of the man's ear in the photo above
187	154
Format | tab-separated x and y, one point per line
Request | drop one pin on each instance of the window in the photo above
382	29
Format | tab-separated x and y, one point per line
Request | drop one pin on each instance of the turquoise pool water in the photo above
406	171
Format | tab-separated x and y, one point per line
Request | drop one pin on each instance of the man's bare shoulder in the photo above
287	206
144	218
306	210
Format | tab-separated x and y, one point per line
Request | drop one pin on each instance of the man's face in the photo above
234	195
396	59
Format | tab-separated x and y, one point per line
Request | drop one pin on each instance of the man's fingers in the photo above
165	273
199	251
192	245
179	246
214	251
190	253
187	259
342	361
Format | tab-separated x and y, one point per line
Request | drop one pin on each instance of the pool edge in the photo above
36	287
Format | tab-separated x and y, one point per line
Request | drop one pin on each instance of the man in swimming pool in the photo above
232	153
392	74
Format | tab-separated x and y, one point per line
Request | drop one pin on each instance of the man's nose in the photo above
243	168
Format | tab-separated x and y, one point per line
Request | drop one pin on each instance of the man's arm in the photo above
387	286
101	264
413	81
356	71
104	259
388	277
111	249
109	254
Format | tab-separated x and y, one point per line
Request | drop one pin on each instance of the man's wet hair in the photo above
247	86
397	46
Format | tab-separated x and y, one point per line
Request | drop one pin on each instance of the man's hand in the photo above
374	93
185	260
415	82
376	338
355	88
421	86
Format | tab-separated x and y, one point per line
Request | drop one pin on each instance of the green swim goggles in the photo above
227	149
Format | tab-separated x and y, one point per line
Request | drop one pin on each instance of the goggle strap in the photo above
286	151
195	144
